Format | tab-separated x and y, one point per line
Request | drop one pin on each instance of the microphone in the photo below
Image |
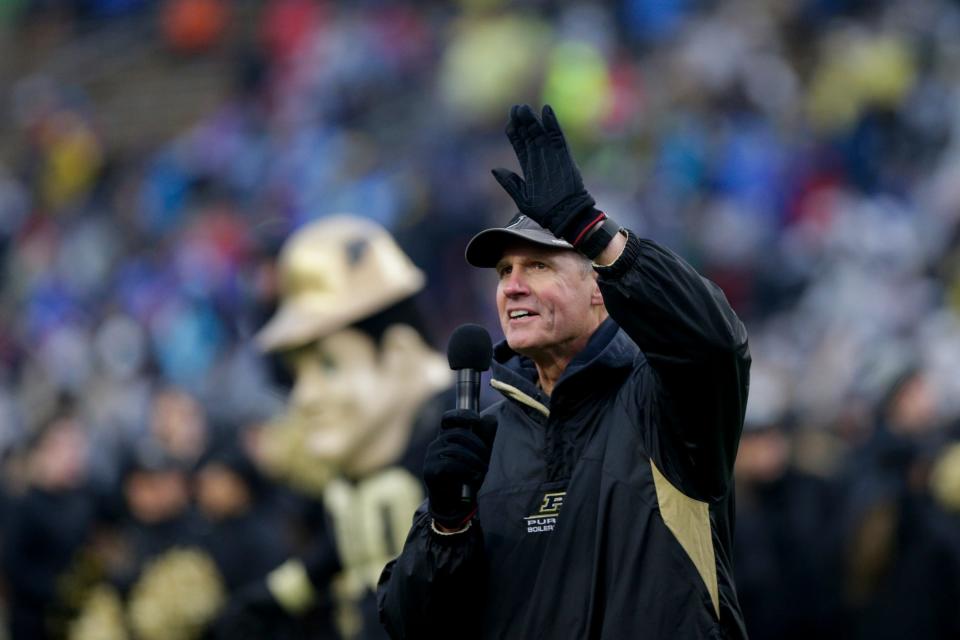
469	352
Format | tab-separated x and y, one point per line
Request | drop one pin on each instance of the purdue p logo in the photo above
551	503
545	519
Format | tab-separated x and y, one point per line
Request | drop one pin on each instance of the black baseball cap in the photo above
486	248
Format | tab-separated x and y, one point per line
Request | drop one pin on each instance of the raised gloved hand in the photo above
458	456
551	191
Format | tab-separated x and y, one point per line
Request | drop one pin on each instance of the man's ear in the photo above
596	298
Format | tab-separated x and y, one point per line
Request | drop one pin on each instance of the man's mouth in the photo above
519	314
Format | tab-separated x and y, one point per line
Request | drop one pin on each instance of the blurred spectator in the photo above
786	539
193	26
244	536
158	513
178	425
45	527
157	582
893	545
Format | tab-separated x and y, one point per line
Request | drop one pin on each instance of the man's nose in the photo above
515	284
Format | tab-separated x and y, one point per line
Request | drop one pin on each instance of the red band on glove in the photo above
600	218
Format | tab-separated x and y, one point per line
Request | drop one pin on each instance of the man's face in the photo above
547	299
179	423
221	492
60	461
156	495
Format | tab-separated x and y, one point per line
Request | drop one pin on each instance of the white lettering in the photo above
540	525
539	529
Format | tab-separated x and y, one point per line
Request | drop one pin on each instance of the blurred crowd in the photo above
803	154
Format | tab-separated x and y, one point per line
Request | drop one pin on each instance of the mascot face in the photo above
352	403
341	389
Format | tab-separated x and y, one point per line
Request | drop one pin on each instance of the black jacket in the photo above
42	535
607	511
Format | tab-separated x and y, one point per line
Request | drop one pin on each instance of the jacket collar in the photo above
608	350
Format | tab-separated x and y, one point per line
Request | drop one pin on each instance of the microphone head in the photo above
470	347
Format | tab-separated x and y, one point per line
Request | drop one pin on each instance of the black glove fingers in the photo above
549	119
487	429
571	176
561	166
448	441
521	117
551	191
525	115
547	168
557	166
518	142
465	440
455	440
464	467
530	127
453	470
458	419
511	183
552	127
535	134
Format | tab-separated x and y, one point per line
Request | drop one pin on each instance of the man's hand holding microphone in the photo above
456	462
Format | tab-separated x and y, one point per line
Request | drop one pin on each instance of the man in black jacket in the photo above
603	507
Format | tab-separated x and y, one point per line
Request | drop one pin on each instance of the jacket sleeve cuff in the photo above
437	531
629	257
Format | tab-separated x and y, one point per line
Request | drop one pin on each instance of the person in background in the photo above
46	526
787	539
367	391
599	500
156	582
178	424
244	537
893	541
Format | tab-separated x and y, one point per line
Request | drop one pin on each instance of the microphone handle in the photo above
468	397
468	389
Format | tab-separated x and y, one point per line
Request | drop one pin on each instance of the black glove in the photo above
551	191
459	456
